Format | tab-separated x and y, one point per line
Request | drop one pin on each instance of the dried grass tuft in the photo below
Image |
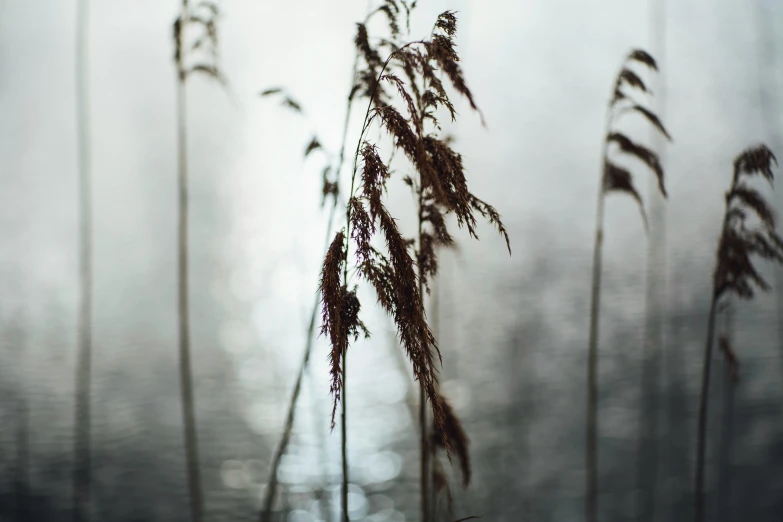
736	274
286	101
453	431
199	56
312	146
345	309
615	178
734	270
442	189
384	258
202	18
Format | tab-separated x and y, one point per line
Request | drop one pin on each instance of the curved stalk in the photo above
591	457
724	504
701	434
612	178
591	461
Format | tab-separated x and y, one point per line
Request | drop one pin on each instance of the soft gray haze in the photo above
513	329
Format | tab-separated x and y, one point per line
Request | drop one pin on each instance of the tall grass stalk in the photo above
185	364
330	188
82	487
728	388
203	17
735	274
613	178
424	445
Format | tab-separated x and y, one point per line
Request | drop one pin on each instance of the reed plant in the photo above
398	275
735	274
196	44
330	190
614	178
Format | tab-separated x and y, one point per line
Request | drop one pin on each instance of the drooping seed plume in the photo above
734	270
413	70
455	433
615	178
735	273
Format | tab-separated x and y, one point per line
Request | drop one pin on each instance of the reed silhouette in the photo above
735	274
614	178
330	190
442	188
189	60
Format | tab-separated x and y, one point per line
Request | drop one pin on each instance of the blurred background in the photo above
513	330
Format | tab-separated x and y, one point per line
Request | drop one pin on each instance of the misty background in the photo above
513	330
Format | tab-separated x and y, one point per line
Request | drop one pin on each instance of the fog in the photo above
513	329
